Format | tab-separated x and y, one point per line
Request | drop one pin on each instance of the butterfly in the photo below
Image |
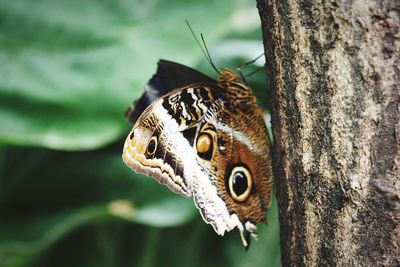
204	138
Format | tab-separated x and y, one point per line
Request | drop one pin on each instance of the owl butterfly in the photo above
206	139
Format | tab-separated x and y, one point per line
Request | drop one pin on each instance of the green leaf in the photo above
45	200
42	201
69	69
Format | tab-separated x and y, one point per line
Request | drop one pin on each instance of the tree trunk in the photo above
333	70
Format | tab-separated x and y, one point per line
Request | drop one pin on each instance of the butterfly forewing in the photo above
172	123
168	77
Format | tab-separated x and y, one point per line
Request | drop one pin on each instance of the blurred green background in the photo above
68	71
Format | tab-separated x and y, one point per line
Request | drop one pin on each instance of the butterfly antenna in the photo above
241	66
254	71
250	62
203	47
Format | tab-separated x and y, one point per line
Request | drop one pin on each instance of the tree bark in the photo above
333	71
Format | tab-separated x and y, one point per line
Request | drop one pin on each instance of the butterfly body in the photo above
204	139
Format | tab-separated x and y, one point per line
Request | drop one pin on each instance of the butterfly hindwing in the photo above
240	148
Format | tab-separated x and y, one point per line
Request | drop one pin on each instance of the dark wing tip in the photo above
131	114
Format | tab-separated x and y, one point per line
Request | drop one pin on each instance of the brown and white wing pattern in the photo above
160	144
206	140
231	174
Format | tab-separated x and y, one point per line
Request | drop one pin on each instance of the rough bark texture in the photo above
333	69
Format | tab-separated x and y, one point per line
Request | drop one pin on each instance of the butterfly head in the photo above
228	76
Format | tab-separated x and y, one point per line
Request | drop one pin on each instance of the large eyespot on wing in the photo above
240	182
206	138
